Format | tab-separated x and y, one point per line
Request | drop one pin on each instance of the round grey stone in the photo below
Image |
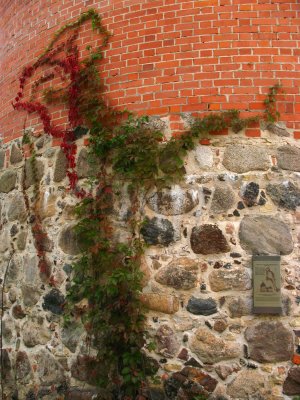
202	306
15	155
243	158
8	181
61	165
262	234
285	194
288	157
223	198
158	231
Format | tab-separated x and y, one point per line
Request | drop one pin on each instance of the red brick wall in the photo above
166	56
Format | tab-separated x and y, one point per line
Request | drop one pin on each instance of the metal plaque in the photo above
266	285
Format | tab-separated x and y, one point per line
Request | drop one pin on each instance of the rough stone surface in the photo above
30	295
54	302
261	234
188	384
291	386
176	277
250	193
68	240
224	370
285	194
83	166
278	128
49	370
204	157
160	302
202	306
158	231
35	332
21	240
208	239
15	155
223	198
23	367
174	201
247	385
2	158
71	335
211	348
229	279
243	158
288	157
30	178
167	344
61	165
269	342
8	181
240	306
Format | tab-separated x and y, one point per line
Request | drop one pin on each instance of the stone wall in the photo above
239	197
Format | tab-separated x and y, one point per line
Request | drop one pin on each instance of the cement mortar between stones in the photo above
34	332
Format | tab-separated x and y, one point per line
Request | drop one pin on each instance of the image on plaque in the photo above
268	283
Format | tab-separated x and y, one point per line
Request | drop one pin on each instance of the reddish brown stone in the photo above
208	239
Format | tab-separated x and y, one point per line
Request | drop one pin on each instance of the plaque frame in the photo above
266	284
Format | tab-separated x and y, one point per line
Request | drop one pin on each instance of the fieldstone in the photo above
61	166
6	366
288	157
285	194
71	334
158	231
14	271
202	306
18	312
211	348
239	306
291	386
42	241
188	384
68	240
278	128
250	193
229	279
247	385
2	158
223	198
23	367
220	325
262	234
173	201
46	204
269	342
160	302
85	368
224	370
15	155
32	177
84	394
204	157
34	332
8	181
208	239
21	240
30	268
54	301
49	370
177	277
83	166
243	158
167	344
8	328
30	295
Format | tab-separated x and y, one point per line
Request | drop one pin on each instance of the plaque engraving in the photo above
266	285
